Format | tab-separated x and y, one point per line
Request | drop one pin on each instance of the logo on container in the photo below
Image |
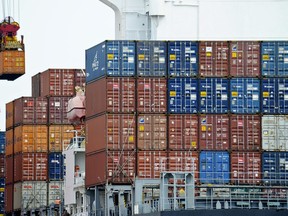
95	63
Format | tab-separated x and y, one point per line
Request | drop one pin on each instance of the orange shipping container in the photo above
31	138
9	142
59	137
12	64
9	115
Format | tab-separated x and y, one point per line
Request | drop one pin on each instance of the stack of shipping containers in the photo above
2	172
37	129
217	108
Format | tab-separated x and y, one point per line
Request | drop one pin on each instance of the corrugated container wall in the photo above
182	95
151	58
59	137
57	109
111	131
9	170
183	132
214	132
245	95
55	190
246	168
110	58
214	59
151	95
9	191
36	82
152	132
275	94
274	133
112	167
56	166
9	115
113	94
245	132
245	59
214	167
274	58
9	148
274	168
182	58
214	95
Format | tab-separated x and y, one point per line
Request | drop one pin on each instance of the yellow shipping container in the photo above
12	64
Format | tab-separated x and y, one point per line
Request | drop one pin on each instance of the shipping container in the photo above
56	166
184	161
113	94
9	166
151	58
12	64
2	142
182	95
35	83
30	167
2	183
245	59
80	78
55	191
9	115
151	95
9	191
214	132
182	58
183	132
274	168
2	166
9	147
245	132
245	95
57	109
152	132
111	131
110	58
30	195
214	167
246	168
115	167
275	96
30	138
59	137
150	164
214	58
274	58
274	133
213	95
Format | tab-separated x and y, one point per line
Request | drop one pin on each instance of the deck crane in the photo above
12	52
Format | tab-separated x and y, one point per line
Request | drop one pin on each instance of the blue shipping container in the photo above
182	58
2	182
56	166
274	58
151	58
245	95
274	168
182	95
110	58
2	142
214	167
275	95
213	95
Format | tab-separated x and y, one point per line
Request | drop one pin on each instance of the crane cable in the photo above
10	7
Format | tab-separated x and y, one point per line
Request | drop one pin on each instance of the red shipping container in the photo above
246	167
245	59
58	110
9	147
9	169
214	132
35	81
80	78
41	110
2	166
9	115
9	191
152	132
184	161
111	131
183	132
30	167
152	95
57	82
245	132
113	94
115	167
150	164
213	58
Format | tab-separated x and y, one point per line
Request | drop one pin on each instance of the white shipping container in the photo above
56	191
30	195
274	133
